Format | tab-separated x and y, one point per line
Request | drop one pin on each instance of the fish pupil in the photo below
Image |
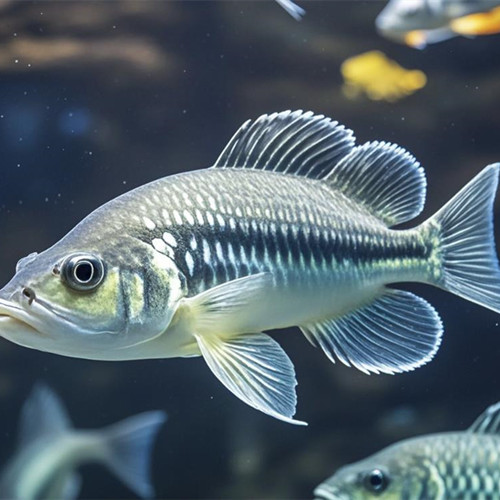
84	271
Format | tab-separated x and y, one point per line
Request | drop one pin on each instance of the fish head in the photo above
391	474
80	301
410	21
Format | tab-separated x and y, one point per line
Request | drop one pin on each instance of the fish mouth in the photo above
16	322
324	493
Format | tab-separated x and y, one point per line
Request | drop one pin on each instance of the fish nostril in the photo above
29	294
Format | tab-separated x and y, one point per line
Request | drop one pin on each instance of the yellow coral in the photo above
379	78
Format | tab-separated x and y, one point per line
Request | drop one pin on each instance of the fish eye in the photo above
82	272
376	481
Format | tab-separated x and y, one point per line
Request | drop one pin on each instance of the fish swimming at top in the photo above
292	226
50	451
418	23
445	466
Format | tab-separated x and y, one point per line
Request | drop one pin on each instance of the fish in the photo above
291	226
292	8
372	73
447	465
50	450
418	23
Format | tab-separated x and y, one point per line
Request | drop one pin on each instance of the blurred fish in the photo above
379	78
292	8
291	226
420	22
50	450
449	465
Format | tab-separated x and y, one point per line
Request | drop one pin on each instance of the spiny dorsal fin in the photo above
384	178
488	422
295	143
42	414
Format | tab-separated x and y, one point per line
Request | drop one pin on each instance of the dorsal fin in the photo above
384	178
295	143
488	422
42	414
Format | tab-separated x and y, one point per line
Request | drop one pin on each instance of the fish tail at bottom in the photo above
465	259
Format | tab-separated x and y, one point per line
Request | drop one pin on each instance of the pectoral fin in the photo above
255	369
482	23
230	307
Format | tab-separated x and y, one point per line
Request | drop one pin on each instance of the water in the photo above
99	97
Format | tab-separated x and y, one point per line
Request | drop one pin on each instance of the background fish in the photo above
50	451
420	22
291	226
451	465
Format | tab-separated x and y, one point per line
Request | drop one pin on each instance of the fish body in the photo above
444	466
291	226
50	451
421	22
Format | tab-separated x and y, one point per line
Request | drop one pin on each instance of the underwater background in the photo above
98	97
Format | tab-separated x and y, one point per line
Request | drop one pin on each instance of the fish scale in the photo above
293	225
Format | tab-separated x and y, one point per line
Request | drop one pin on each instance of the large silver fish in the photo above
291	226
446	466
421	22
50	450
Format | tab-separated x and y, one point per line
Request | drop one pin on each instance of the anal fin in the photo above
255	369
397	332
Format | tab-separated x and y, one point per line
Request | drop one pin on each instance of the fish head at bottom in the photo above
394	473
90	303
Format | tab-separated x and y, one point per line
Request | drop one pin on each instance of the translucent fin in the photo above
396	333
255	369
488	422
43	413
467	247
129	445
224	306
481	23
292	8
295	143
384	178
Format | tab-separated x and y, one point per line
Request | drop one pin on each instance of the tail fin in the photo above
129	445
467	247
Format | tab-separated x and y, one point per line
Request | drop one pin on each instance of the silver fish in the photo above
292	8
291	226
50	451
446	466
421	22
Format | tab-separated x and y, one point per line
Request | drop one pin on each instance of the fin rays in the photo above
397	332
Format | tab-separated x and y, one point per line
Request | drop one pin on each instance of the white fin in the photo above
384	178
397	332
256	369
295	143
488	422
42	414
220	308
467	247
129	445
292	8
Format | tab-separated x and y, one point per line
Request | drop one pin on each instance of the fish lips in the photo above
20	326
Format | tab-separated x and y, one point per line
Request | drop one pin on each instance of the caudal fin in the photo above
469	264
129	447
